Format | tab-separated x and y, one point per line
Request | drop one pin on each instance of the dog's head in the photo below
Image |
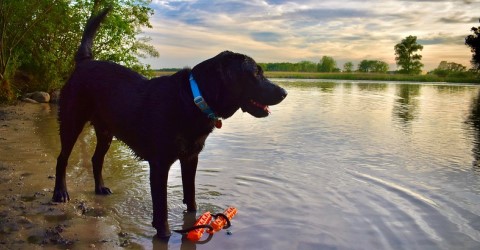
230	81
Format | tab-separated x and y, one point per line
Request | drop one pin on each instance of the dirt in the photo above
28	217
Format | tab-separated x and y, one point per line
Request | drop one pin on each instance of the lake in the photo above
337	165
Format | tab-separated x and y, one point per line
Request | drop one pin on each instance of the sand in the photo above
28	218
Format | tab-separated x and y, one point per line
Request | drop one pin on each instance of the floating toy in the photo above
197	233
222	221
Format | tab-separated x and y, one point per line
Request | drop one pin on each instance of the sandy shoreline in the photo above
28	218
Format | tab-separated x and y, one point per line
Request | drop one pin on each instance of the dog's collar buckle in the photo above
202	104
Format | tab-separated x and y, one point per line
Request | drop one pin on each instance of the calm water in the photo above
338	165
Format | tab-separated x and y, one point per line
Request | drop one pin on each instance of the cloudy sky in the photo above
186	32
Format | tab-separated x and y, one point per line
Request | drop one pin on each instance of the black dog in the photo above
162	120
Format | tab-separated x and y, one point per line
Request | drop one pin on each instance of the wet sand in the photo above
28	218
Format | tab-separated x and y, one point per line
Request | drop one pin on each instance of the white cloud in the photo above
187	32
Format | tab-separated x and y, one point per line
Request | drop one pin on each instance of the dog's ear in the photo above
219	80
211	76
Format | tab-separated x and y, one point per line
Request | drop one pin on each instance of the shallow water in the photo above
338	165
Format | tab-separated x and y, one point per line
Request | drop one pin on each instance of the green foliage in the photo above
473	41
117	38
284	66
306	66
40	38
327	64
18	20
449	68
348	67
406	57
466	78
373	66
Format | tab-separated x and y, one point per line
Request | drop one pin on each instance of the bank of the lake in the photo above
467	78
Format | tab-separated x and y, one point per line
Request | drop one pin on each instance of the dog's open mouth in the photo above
260	106
255	108
257	100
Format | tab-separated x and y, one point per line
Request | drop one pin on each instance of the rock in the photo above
38	96
29	100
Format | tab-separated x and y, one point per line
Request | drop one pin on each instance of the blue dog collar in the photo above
199	101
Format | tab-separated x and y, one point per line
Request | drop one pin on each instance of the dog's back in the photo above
112	97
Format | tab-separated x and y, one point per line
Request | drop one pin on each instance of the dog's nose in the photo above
284	93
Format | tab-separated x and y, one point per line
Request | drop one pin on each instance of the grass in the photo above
372	76
159	73
360	76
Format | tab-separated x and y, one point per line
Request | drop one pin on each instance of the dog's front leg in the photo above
189	168
158	185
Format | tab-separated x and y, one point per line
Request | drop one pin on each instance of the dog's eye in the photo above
258	71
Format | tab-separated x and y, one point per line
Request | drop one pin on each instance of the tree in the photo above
306	66
118	40
406	57
447	68
373	66
473	41
38	46
17	20
381	67
348	67
327	64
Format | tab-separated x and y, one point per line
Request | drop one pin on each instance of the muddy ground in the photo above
28	218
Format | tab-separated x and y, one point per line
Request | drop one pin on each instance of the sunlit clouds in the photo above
186	32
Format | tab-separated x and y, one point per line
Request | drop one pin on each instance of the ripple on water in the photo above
337	166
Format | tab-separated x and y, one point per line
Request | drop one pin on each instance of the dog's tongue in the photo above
259	105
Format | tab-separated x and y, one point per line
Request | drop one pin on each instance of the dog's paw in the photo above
163	230
163	234
103	191
60	196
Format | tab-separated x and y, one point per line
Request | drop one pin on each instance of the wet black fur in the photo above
156	118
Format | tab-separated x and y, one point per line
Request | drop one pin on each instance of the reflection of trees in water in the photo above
374	87
474	120
406	106
327	87
450	89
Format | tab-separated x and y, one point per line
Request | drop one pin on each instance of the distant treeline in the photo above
168	69
327	64
446	71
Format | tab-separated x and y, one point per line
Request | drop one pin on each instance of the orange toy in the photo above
220	222
196	234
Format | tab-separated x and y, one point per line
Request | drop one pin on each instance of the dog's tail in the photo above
85	50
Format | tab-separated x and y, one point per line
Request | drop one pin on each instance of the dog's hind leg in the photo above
70	129
104	139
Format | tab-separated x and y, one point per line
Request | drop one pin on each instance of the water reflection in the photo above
450	89
189	218
374	87
474	121
407	105
328	87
